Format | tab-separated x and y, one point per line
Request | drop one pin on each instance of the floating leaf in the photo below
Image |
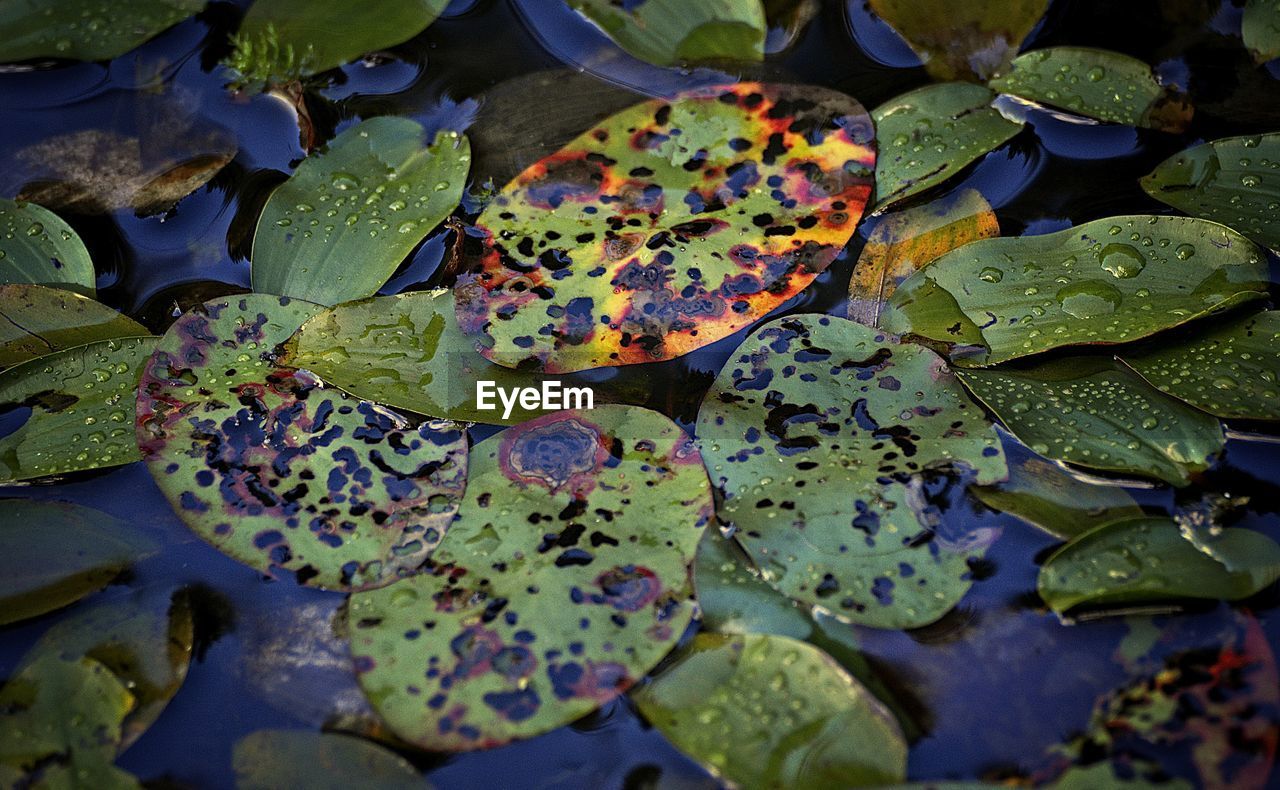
36	246
962	40
667	227
1104	282
279	473
1096	83
565	578
1091	412
370	197
767	711
671	32
734	600
819	430
904	242
266	759
82	403
39	320
85	29
54	553
932	133
1235	181
1260	28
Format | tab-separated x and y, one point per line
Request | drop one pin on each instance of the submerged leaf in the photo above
564	579
1260	27
1235	181
932	133
668	227
266	759
36	320
84	29
1104	282
349	215
974	39
37	246
278	472
766	711
671	32
1091	412
82	403
819	431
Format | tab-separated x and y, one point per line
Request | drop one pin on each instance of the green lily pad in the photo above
767	711
735	600
280	473
339	227
904	242
819	432
667	227
564	579
53	554
1260	28
82	404
1104	282
282	40
37	246
36	320
85	29
972	40
1235	181
266	759
932	133
1150	559
671	32
1096	83
1231	370
1091	412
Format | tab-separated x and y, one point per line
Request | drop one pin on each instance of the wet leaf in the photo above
82	404
36	246
369	197
819	431
265	759
635	244
1229	371
1260	28
787	20
1091	412
280	473
1235	181
38	320
1096	83
969	40
767	711
1104	282
903	242
671	32
932	133
55	553
565	578
85	29
735	600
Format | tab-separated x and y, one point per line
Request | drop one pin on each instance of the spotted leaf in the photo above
733	599
972	40
670	32
280	473
37	246
564	579
39	320
667	227
266	759
84	29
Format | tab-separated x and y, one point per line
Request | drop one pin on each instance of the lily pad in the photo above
339	227
1150	559
53	554
819	432
82	404
85	29
972	40
564	579
1096	83
265	759
1260	27
1104	282
903	242
668	227
767	711
932	133
1091	412
280	473
36	320
1235	181
671	32
36	246
735	600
